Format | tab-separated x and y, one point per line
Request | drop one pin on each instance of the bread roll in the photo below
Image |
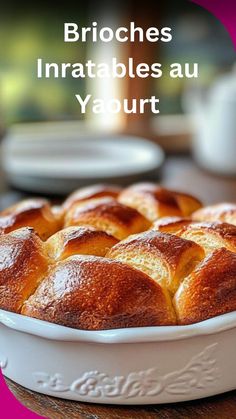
91	192
79	241
94	293
208	291
164	257
23	264
154	202
171	225
35	213
225	212
106	214
210	236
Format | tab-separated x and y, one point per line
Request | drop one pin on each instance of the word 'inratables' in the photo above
93	70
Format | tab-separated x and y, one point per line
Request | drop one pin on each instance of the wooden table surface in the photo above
181	173
218	407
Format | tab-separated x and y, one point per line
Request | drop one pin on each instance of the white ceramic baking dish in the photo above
124	366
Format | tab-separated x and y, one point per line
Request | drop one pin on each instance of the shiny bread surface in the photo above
108	258
93	293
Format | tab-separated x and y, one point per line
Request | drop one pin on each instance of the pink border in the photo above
11	408
223	10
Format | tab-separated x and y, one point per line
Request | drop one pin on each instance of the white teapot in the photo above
214	142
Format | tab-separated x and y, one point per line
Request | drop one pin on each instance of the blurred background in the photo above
197	116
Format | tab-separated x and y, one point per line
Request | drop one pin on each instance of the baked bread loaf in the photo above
224	212
91	192
35	213
23	264
93	293
106	214
208	291
66	265
164	257
209	235
171	225
154	201
79	240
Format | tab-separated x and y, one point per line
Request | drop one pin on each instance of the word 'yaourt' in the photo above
115	105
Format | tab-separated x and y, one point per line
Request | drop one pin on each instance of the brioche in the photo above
208	291
210	236
108	259
106	214
154	202
165	258
23	264
91	192
35	213
93	293
225	212
79	240
171	225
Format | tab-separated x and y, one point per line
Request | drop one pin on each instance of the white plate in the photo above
60	162
124	366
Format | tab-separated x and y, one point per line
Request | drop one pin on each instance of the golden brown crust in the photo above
58	213
154	201
164	257
127	283
93	293
35	213
187	203
171	225
106	214
209	291
209	235
225	212
79	241
23	263
91	192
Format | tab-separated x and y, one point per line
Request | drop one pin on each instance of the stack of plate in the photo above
58	158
